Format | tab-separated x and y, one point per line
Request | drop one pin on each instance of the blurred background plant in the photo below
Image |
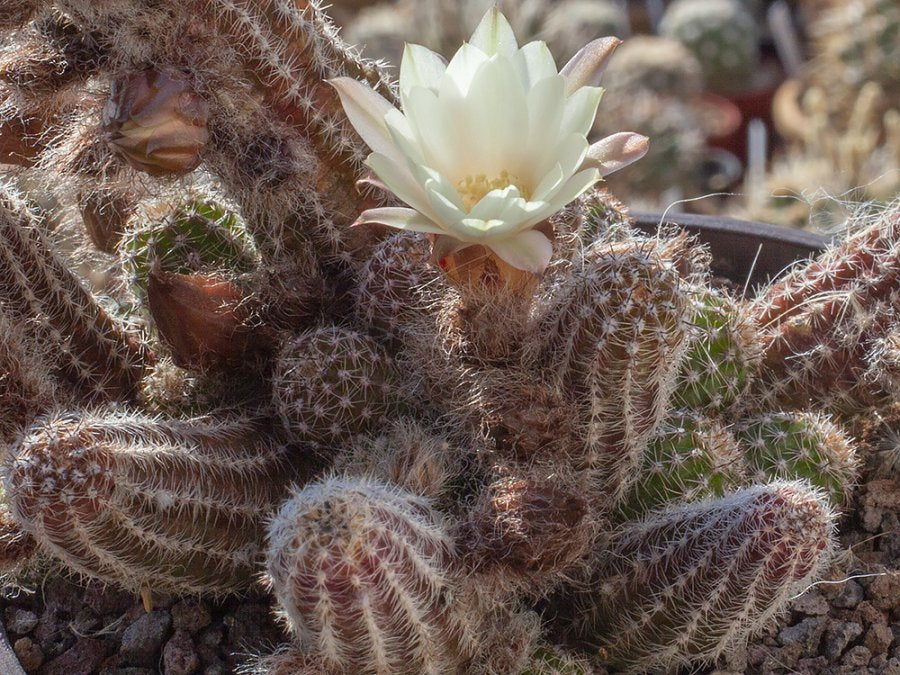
822	76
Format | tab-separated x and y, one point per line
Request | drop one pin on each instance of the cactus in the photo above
94	353
331	383
194	235
571	24
363	573
690	457
474	434
802	445
686	584
616	337
723	355
147	504
722	34
659	64
820	322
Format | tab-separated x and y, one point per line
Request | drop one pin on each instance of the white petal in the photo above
615	152
530	251
546	103
534	63
402	219
480	231
435	181
573	187
581	108
549	183
440	133
402	135
496	117
463	66
420	67
570	154
492	205
494	35
448	214
400	181
585	68
366	108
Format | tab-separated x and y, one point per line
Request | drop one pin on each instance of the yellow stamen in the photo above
473	188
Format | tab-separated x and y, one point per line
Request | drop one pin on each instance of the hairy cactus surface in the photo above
146	504
684	584
363	573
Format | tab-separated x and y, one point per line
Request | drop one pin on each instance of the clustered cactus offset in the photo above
516	439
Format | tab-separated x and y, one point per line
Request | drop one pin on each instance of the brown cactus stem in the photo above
21	140
868	261
15	13
204	320
96	354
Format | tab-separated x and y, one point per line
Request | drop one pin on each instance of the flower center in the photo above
473	188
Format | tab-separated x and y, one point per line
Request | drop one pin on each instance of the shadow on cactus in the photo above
516	437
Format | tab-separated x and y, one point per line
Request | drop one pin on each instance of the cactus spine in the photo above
176	506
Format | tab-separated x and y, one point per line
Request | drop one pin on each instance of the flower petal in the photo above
463	66
492	205
615	152
420	67
400	181
551	181
494	35
366	108
402	219
530	251
581	108
534	61
573	187
585	68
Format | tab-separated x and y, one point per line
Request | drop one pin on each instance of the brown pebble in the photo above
29	654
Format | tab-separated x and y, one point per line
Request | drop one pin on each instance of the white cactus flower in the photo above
490	144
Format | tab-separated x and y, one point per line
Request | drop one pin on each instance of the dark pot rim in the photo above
742	250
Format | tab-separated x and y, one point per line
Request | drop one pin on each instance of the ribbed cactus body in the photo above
92	352
615	339
391	283
821	322
686	584
331	383
800	445
26	386
196	235
149	504
722	357
552	661
690	457
363	575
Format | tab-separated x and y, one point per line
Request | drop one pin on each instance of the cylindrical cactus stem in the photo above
391	283
551	660
800	445
294	48
364	575
884	362
526	534
288	659
26	386
333	382
92	351
407	454
195	234
690	457
684	585
149	504
866	264
614	339
723	355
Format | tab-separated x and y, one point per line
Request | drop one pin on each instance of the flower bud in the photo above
203	319
104	214
156	121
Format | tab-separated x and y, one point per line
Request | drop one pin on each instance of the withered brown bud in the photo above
528	528
104	214
156	121
203	319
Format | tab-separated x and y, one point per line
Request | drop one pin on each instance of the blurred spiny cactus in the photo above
434	439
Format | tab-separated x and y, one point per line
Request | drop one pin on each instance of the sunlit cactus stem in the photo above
149	504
